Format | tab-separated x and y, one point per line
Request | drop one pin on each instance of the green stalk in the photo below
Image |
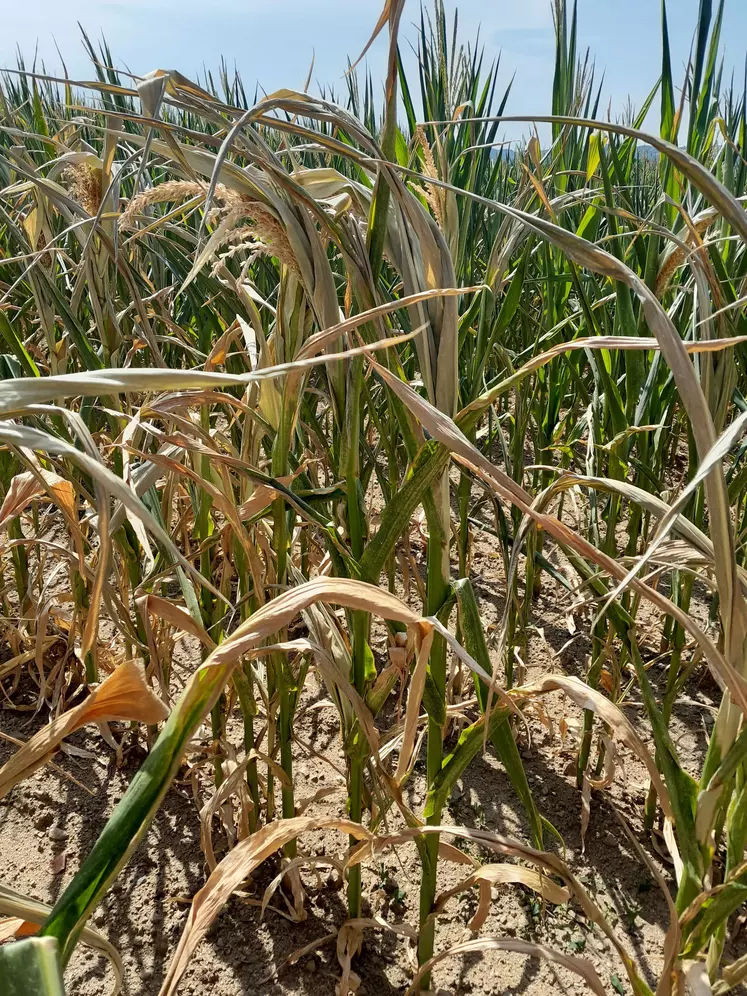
286	695
473	633
279	668
357	759
681	595
360	620
244	683
463	493
598	644
20	564
82	604
202	532
681	787
438	591
681	592
271	736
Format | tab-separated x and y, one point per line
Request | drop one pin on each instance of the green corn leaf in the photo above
17	347
503	738
705	916
434	702
425	471
667	87
456	763
133	814
31	968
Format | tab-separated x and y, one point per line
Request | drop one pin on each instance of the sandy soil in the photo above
49	823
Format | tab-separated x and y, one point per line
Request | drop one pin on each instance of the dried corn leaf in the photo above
579	966
123	696
26	486
589	698
231	872
503	874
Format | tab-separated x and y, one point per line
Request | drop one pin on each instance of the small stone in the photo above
57	834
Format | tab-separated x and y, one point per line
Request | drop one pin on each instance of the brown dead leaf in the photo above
605	680
175	614
15	926
579	966
505	874
26	486
589	698
123	696
231	872
585	809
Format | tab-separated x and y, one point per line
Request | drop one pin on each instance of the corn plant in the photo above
249	341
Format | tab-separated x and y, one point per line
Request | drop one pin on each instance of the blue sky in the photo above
272	41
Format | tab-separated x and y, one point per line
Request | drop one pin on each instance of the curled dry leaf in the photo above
16	926
233	783
579	966
504	874
589	698
349	941
264	495
26	486
231	872
412	710
291	867
123	696
176	615
321	793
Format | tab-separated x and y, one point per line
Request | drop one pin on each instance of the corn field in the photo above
270	368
